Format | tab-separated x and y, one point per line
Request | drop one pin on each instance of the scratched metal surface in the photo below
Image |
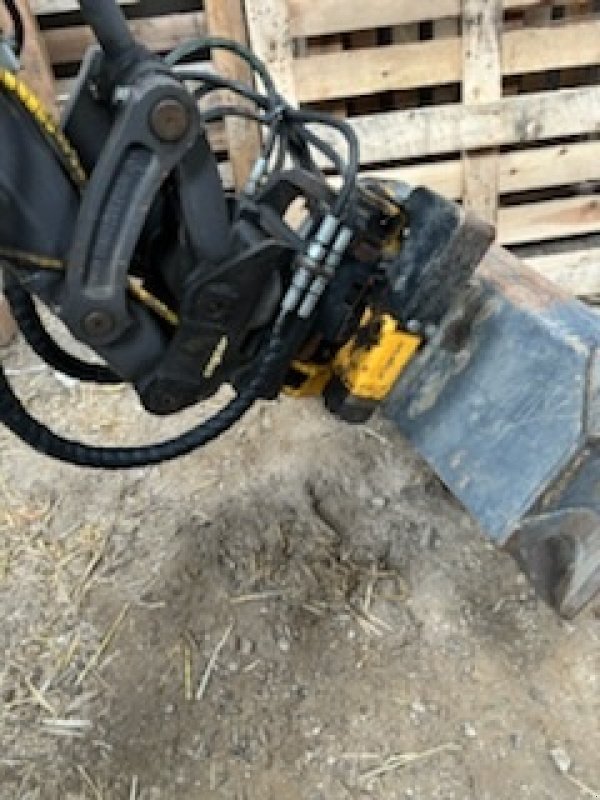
499	404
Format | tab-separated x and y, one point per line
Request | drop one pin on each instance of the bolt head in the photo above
170	120
98	323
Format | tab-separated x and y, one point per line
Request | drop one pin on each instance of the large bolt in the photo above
98	323
170	120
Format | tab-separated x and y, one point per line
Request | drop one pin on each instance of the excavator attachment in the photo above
504	404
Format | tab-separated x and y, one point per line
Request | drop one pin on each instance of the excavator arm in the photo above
378	297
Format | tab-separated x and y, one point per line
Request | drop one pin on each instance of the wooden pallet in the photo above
496	104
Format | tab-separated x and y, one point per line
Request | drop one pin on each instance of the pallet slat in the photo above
310	18
482	83
35	60
225	18
68	45
41	7
424	132
552	219
519	171
407	66
577	271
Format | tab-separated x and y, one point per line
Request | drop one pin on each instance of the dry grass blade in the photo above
379	437
82	588
187	672
68	724
583	788
39	697
396	762
369	596
90	783
133	792
316	611
212	662
256	597
104	644
371	625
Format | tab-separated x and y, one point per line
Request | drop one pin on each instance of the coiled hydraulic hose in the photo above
45	441
40	341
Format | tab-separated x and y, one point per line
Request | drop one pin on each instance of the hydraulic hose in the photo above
110	27
45	441
40	341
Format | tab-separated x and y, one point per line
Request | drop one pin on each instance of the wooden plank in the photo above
40	7
577	271
536	17
8	327
553	219
482	83
368	104
270	37
395	67
226	18
330	44
68	45
370	70
310	18
447	28
397	135
519	171
35	63
403	34
558	165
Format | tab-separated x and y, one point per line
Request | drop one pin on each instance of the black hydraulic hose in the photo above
215	82
18	27
40	341
109	26
38	436
353	163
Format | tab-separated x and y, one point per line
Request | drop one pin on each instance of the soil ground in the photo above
300	612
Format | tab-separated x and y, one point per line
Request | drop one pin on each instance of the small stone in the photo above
266	423
561	759
469	731
284	645
65	381
379	503
516	740
246	647
418	707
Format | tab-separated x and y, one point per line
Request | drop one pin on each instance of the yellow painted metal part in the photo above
368	365
371	363
316	378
